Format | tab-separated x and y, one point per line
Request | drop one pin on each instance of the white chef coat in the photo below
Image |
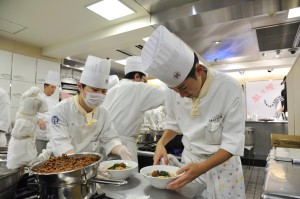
5	110
220	123
127	101
68	130
51	101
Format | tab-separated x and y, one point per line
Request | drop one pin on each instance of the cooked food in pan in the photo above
161	174
66	163
118	166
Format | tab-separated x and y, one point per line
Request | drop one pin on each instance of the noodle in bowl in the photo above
160	181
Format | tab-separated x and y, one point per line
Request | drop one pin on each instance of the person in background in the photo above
112	81
52	81
129	99
80	123
208	107
4	116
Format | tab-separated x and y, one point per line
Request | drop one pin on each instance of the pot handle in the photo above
108	181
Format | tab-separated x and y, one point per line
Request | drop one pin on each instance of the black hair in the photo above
46	85
192	73
131	74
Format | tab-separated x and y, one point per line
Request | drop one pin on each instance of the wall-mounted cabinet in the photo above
23	68
5	64
17	89
42	69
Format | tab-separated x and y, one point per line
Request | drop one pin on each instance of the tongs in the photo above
108	181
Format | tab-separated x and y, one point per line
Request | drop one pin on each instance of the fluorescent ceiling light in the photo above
294	12
110	9
146	39
123	61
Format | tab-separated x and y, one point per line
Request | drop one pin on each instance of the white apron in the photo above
225	181
130	143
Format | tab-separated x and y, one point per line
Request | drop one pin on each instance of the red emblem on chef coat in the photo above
176	75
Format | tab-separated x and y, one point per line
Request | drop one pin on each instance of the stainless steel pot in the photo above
84	175
9	180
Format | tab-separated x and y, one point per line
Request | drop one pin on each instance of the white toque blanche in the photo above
113	80
133	64
52	78
96	72
167	57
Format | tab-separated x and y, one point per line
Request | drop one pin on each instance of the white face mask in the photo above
94	100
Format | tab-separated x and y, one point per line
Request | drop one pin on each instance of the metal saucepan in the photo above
9	179
83	175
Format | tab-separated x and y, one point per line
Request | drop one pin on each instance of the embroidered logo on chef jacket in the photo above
216	118
176	75
54	119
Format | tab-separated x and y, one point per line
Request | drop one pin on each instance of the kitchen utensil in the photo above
82	175
9	179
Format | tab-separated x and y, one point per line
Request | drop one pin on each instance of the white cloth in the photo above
225	181
127	102
5	110
96	72
113	80
51	101
21	148
69	132
220	124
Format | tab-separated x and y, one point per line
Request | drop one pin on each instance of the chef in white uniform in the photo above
51	83
4	116
208	107
79	123
129	99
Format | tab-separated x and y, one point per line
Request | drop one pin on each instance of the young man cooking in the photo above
129	99
208	107
79	123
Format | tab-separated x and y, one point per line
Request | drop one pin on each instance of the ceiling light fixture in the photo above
277	53
122	61
110	9
217	42
263	54
242	72
294	12
270	70
216	60
146	39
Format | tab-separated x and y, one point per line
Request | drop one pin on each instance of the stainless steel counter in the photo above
282	180
139	188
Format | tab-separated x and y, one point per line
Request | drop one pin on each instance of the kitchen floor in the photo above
254	179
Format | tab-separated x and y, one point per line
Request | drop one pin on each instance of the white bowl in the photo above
120	174
160	183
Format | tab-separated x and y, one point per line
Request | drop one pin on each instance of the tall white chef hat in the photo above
113	80
167	57
96	72
52	78
133	64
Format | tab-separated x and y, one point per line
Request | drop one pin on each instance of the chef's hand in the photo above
124	153
160	152
41	124
102	173
42	157
191	172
